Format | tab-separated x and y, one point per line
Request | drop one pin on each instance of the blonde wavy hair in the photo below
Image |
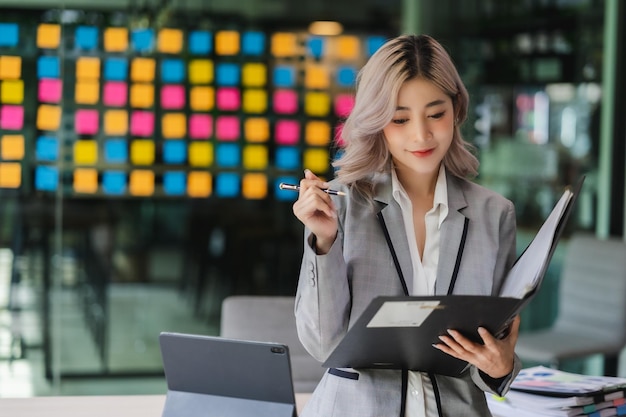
403	58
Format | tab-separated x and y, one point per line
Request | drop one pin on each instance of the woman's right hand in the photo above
315	209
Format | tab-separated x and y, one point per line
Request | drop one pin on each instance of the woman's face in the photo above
422	128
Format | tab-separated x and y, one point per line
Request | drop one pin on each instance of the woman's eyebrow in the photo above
431	104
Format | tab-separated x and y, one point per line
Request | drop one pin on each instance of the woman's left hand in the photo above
494	357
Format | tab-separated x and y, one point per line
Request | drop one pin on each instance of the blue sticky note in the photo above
315	47
116	151
287	158
172	71
253	43
285	195
373	43
114	182
174	183
346	76
174	151
116	69
86	37
47	148
284	76
227	185
200	42
9	34
228	155
46	178
228	74
142	40
48	67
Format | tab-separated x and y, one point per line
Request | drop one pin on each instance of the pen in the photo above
292	187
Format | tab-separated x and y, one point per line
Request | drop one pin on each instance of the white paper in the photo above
403	313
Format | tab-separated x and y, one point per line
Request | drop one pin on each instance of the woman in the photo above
404	171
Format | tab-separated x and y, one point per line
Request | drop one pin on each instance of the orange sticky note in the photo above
12	147
142	95
254	101
87	92
317	160
115	39
10	175
141	182
227	42
199	184
88	68
174	125
85	152
48	117
10	67
317	133
85	180
142	152
12	91
48	36
256	129
348	47
202	98
170	41
200	71
255	157
284	44
316	77
317	104
116	122
200	154
142	70
254	186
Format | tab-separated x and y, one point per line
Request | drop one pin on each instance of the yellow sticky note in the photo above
200	154
115	122
199	184
142	95
317	160
170	41
254	74
10	67
85	180
48	36
227	42
254	186
202	98
116	39
316	77
88	68
85	152
141	182
348	47
48	117
10	175
142	152
256	129
174	125
142	70
87	92
12	147
255	157
284	44
201	71
317	104
317	133
255	101
12	91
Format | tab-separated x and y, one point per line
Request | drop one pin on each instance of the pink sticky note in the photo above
115	93
287	132
12	117
228	98
227	128
142	123
343	104
338	135
86	122
50	90
200	126
173	97
285	102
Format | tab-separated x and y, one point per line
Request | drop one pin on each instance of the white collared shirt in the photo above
420	393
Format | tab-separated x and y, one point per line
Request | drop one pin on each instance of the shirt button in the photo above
415	393
312	282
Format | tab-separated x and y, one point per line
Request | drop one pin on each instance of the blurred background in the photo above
142	142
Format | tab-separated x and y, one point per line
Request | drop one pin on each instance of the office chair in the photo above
591	317
271	319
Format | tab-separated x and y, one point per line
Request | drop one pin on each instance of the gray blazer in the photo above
334	289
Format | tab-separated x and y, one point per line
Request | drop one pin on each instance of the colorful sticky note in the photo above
343	104
10	174
115	39
228	155
228	99
316	46
200	42
316	159
170	41
87	92
48	36
47	148
255	157
116	151
114	182
48	67
201	98
50	90
88	68
86	121
116	69
316	77
255	101
200	154
284	76
12	147
142	123
10	67
253	43
142	152
317	104
142	70
174	183
254	186
227	128
338	135
346	76
200	71
11	117
317	133
115	93
373	43
254	74
85	152
141	182
48	117
46	178
227	185
142	40
287	158
174	125
86	37
200	126
85	180
348	47
199	184
172	70
115	122
228	74
287	132
173	97
142	95
284	44
174	151
12	91
285	101
9	34
227	42
256	129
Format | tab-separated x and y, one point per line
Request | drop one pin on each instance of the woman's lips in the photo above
423	153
